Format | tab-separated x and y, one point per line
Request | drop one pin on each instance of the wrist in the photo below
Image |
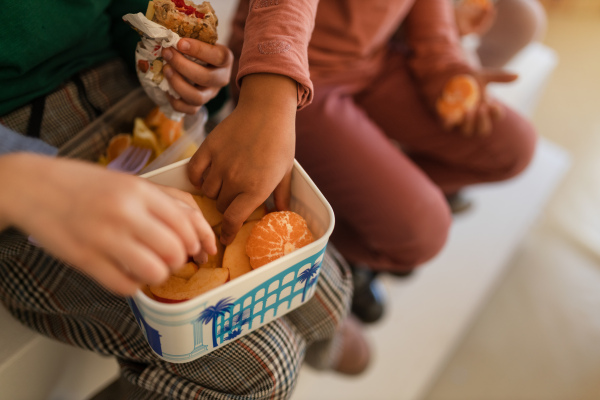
270	92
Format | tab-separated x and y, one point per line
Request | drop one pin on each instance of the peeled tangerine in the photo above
118	144
167	130
460	96
275	235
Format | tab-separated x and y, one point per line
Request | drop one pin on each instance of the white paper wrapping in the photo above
155	38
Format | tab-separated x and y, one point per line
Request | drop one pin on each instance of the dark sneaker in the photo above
458	202
368	300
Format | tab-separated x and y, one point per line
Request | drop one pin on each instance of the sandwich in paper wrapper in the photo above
164	24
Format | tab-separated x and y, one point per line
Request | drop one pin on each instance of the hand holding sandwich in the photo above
195	83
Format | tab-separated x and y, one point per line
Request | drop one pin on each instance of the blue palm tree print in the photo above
306	275
212	313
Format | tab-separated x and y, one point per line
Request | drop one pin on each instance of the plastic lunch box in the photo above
183	332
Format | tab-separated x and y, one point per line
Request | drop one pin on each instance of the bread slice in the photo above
195	21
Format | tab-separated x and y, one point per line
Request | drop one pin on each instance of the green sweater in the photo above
43	43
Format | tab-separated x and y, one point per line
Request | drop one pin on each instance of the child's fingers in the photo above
109	274
163	232
208	76
211	182
192	95
182	106
201	258
206	236
496	75
240	208
468	125
198	164
217	55
484	120
283	192
139	262
180	195
179	217
226	195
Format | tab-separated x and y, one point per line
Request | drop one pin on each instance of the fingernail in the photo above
201	258
168	71
183	45
167	54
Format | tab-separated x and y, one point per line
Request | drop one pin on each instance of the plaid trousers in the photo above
60	302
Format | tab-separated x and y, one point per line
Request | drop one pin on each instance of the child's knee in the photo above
519	147
424	235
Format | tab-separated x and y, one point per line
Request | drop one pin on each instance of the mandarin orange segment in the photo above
154	118
144	137
275	235
460	95
168	131
117	145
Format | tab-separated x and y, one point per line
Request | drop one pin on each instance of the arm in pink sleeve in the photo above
436	52
276	36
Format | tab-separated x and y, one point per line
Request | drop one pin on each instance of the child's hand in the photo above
121	230
250	154
474	16
477	113
196	84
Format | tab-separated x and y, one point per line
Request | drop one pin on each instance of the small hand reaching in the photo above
121	230
250	154
465	106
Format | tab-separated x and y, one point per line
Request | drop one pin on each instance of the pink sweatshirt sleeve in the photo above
276	34
436	52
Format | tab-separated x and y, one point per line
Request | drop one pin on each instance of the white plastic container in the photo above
183	332
91	142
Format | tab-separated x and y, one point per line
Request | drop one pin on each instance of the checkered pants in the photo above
60	302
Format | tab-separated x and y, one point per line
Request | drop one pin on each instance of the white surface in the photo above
48	370
537	338
224	9
435	307
534	65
